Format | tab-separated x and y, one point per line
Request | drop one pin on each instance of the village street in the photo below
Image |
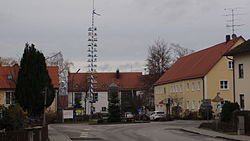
154	131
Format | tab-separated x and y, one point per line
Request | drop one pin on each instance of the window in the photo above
187	86
8	97
95	96
104	109
93	109
241	72
192	86
9	77
198	85
193	104
181	88
224	85
187	104
164	90
230	65
242	102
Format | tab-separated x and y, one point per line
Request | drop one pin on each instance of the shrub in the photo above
206	110
176	111
13	118
227	111
189	115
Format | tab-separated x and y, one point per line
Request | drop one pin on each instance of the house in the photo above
241	58
128	83
8	77
196	77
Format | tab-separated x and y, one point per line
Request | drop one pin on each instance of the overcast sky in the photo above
125	28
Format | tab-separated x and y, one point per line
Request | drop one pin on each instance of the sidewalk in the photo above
55	135
215	134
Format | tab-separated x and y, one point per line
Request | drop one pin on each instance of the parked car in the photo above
128	117
157	115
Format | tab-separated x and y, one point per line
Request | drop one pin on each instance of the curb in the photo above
219	137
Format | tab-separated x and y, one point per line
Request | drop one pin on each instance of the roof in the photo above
242	48
8	72
126	81
196	65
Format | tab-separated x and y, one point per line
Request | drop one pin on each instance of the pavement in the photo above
215	134
56	135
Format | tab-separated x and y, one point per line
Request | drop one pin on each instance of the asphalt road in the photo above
154	131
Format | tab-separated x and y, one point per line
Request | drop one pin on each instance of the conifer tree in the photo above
114	104
33	82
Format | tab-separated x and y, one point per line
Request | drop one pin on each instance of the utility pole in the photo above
92	57
44	108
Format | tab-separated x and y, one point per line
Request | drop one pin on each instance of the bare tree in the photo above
180	51
159	58
8	61
56	59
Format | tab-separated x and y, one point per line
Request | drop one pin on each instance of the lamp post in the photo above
72	86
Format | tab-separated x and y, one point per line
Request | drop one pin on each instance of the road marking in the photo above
84	134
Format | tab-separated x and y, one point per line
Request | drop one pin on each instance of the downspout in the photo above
233	78
203	88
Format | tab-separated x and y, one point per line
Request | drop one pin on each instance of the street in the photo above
154	131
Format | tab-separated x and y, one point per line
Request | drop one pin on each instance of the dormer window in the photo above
76	86
9	77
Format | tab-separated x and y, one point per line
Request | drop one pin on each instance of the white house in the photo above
241	57
128	83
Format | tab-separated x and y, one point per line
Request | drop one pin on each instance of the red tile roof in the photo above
196	65
6	71
127	81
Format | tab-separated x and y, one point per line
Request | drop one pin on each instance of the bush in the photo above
13	118
189	115
206	110
176	111
227	111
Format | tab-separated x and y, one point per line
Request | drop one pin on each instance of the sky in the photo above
126	28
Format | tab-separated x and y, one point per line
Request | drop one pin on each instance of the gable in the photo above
196	65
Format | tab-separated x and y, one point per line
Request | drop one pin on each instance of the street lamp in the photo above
72	86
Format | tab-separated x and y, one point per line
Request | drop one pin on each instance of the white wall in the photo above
102	102
242	84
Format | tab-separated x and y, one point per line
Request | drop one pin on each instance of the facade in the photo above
8	77
128	83
241	58
196	77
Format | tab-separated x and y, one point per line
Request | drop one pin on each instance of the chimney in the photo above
117	74
234	36
227	38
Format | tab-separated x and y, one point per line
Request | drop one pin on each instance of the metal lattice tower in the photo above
92	56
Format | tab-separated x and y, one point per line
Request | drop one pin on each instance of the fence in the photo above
31	134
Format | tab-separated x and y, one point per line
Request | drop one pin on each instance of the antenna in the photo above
232	21
92	56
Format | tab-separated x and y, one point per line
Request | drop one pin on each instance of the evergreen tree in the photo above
33	82
114	105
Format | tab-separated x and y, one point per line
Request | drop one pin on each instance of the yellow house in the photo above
241	57
198	76
8	77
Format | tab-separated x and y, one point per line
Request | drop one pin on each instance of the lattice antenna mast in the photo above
92	55
232	21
